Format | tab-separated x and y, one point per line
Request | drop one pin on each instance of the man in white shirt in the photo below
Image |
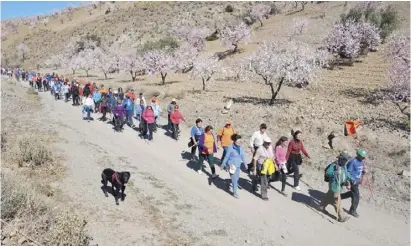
88	103
257	139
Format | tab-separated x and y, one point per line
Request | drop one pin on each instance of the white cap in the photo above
115	92
267	139
173	100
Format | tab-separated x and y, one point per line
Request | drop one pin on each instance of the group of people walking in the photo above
274	162
115	106
270	162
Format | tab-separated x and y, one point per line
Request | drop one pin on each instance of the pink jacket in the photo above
148	116
280	154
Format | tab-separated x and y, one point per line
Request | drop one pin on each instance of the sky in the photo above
13	9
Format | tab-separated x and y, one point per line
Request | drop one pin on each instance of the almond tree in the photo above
54	61
69	11
87	60
132	63
205	69
235	69
277	63
399	72
73	64
105	61
192	35
260	11
45	21
185	57
232	35
299	25
159	62
22	51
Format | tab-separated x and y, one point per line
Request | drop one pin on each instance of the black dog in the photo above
118	181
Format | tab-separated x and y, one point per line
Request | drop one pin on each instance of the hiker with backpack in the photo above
294	157
357	169
337	176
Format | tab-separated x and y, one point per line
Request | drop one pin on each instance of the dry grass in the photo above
29	213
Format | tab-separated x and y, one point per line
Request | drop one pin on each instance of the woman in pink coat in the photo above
149	118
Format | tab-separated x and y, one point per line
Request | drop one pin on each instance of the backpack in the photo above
327	178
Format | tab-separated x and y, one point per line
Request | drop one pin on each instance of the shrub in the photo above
29	152
68	229
388	22
353	14
161	44
229	9
213	36
274	9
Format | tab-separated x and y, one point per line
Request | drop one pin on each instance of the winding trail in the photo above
168	203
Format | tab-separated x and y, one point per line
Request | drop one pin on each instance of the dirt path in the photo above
168	203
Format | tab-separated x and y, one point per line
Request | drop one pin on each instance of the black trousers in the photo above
293	165
354	194
151	128
76	100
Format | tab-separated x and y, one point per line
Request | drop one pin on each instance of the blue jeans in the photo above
224	153
129	117
88	109
234	180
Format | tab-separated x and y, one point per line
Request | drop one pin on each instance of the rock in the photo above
404	173
224	112
247	241
13	233
228	105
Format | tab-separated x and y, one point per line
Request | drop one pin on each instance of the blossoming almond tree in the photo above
205	69
159	62
87	60
54	61
73	64
185	57
105	61
231	36
22	51
399	72
276	63
131	62
259	12
193	36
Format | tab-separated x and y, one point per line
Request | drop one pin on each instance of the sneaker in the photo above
354	214
214	176
265	198
236	196
199	172
284	194
297	188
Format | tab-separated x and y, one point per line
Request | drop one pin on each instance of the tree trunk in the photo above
204	85
261	22
296	4
235	48
86	73
74	71
105	75
188	69
133	78
274	93
163	78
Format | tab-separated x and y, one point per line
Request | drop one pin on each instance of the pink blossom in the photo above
260	11
159	62
276	63
232	35
205	69
344	39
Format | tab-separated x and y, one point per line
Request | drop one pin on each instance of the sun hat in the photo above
173	100
228	122
267	139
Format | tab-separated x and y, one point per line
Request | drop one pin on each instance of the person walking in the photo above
196	132
157	111
294	158
256	141
97	99
207	147
131	94
338	177
233	161
356	168
66	90
170	109
224	137
129	106
88	106
280	151
176	118
149	119
119	114
75	93
141	98
104	106
263	153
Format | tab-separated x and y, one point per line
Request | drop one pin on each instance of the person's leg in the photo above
200	162
355	198
283	180
150	130
88	110
264	185
234	181
296	169
338	208
210	160
224	153
327	199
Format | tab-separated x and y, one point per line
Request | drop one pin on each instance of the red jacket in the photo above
176	117
296	148
148	116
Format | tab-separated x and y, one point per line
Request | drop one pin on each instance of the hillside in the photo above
334	97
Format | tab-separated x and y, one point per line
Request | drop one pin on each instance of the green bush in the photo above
389	21
274	9
160	44
354	14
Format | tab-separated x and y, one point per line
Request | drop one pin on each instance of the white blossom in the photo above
205	69
231	36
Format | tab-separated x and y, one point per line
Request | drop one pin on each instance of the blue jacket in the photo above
96	96
355	167
156	109
111	101
128	104
233	157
